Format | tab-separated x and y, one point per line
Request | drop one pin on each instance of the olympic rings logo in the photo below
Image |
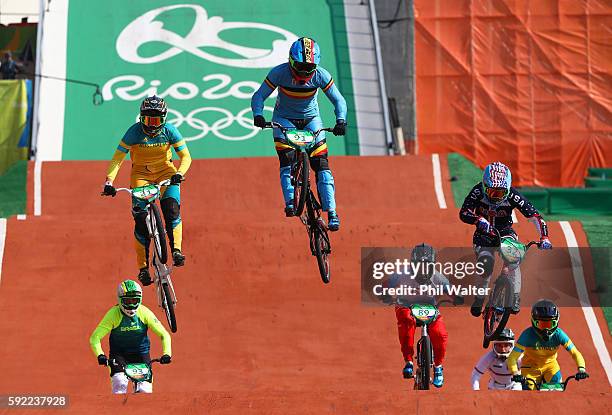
226	120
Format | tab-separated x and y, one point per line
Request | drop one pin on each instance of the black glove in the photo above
165	359
340	128
518	378
582	374
109	190
102	360
458	300
259	121
176	179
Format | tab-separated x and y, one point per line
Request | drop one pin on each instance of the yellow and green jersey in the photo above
128	335
152	152
539	353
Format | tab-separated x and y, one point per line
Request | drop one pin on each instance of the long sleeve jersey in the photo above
129	334
500	376
150	151
298	100
538	353
476	205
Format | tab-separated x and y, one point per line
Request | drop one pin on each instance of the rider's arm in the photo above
573	350
330	89
520	202
481	367
519	348
115	164
180	147
267	87
467	214
153	323
110	320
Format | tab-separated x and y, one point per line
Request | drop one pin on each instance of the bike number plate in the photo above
551	387
138	371
424	312
147	192
300	138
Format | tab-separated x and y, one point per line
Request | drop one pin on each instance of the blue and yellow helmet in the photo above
304	56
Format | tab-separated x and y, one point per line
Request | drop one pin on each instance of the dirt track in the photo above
257	328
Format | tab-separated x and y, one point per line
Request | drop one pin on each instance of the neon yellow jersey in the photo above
539	353
129	334
150	151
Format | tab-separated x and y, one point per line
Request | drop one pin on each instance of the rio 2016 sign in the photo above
206	59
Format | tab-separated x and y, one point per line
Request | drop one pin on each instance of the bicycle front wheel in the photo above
424	361
300	180
498	310
158	234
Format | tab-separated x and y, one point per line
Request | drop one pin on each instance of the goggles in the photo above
131	301
303	67
503	347
150	121
545	324
496	193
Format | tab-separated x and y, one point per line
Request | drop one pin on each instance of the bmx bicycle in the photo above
166	297
139	372
498	308
424	314
305	203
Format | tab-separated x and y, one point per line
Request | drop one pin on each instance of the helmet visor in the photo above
548	324
151	121
496	194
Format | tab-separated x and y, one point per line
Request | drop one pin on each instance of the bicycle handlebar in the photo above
159	185
495	232
273	124
538	386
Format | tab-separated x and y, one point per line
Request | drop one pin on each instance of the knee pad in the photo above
171	210
140	220
144	387
120	383
486	259
319	164
286	156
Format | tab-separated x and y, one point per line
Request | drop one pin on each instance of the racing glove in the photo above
259	121
109	190
176	179
102	360
340	127
483	225
518	378
582	374
165	359
545	243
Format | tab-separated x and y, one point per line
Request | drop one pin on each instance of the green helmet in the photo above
129	294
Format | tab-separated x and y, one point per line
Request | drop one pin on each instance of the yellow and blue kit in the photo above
128	335
152	163
540	356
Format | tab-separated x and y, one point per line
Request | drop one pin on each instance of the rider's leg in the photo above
514	273
171	209
439	338
535	374
551	373
119	381
141	241
144	387
485	259
286	158
406	327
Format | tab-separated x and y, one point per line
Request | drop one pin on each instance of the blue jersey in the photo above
296	100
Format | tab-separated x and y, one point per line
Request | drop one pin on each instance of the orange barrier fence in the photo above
524	82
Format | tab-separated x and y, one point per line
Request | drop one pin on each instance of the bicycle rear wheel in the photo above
168	307
158	234
497	312
300	183
322	251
